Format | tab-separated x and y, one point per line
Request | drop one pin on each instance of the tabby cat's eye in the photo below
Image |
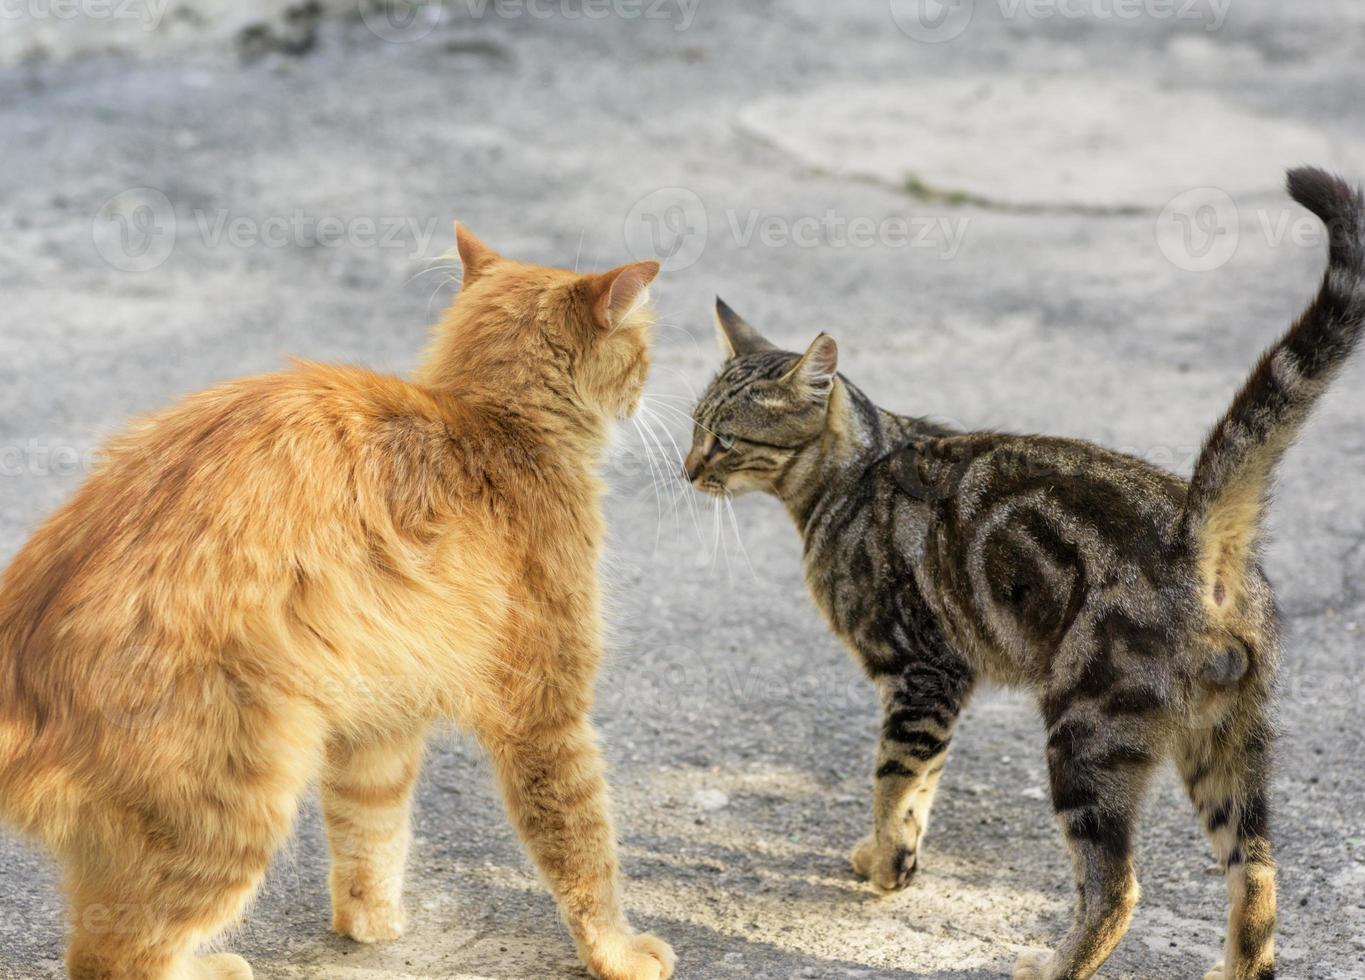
726	442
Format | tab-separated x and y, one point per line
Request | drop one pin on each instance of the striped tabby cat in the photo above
1131	603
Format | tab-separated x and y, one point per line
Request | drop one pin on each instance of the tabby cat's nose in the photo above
692	467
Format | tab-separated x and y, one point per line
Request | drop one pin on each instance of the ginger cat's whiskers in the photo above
653	481
446	263
676	459
681	377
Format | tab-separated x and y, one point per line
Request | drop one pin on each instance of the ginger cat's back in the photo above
290	529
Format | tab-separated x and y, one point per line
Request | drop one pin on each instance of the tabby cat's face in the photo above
764	408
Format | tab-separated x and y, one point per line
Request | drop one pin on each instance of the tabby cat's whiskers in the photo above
739	541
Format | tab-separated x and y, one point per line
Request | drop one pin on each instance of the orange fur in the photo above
290	578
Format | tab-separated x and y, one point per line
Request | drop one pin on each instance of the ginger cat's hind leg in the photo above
366	803
143	922
99	960
171	856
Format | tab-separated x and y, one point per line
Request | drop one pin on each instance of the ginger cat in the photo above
289	578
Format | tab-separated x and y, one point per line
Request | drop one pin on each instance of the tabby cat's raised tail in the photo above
1232	480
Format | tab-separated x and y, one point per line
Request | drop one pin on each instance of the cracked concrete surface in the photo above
1076	140
300	204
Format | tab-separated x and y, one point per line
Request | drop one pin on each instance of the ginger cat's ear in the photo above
736	336
618	292
475	256
813	376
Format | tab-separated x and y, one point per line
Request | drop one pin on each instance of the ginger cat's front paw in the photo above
889	869
630	957
223	966
1033	964
1218	971
368	920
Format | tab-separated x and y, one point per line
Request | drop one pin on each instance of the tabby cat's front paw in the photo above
1034	964
630	957
888	868
1219	971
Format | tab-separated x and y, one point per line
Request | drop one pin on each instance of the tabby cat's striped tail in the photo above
1232	480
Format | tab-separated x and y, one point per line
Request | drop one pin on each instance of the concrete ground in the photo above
172	220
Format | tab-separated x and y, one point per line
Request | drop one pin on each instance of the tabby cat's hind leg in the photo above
1226	770
1099	774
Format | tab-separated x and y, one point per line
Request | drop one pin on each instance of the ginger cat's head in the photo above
575	343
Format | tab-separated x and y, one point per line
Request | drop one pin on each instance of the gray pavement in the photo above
740	735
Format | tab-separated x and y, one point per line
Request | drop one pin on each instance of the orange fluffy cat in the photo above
289	578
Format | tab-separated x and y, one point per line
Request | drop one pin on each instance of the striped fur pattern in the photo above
287	580
1130	603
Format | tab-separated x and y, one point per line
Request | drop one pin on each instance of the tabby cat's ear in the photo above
617	293
813	376
475	256
736	336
